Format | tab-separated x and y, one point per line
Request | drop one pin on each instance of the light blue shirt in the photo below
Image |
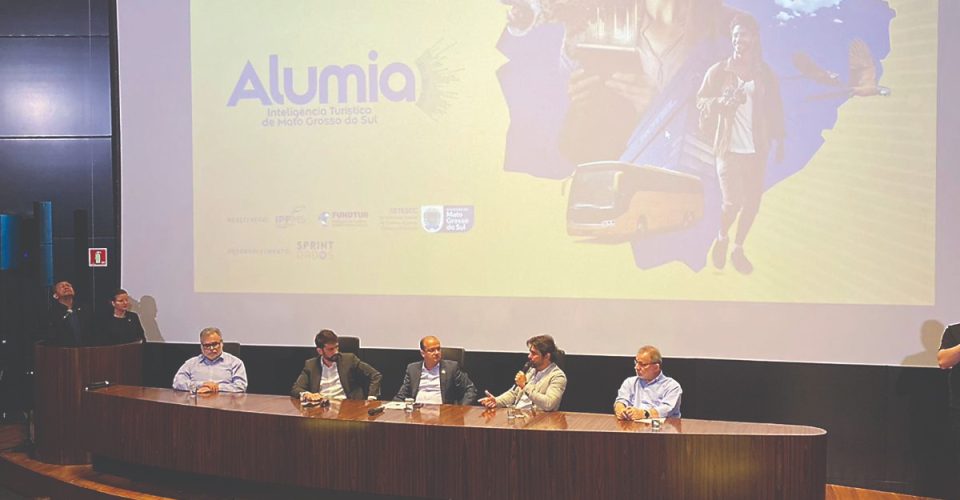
661	394
429	390
227	370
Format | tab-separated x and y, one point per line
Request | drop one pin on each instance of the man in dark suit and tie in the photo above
335	375
67	322
435	380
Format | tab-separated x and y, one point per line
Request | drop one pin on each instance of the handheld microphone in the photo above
526	366
376	411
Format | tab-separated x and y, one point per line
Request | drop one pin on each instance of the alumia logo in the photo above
394	82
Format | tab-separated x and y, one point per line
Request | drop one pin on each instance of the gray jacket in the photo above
545	394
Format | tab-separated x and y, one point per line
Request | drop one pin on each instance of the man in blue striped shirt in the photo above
213	370
650	394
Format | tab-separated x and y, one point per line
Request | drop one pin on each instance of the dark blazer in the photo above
68	327
455	386
113	330
354	374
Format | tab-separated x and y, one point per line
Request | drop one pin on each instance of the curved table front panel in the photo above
452	451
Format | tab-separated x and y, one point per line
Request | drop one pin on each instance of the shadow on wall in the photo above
930	334
146	307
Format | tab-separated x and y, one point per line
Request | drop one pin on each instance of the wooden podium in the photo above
61	375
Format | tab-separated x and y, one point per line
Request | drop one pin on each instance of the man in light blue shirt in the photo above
650	394
213	370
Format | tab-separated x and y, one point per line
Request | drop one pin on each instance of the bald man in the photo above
435	380
67	321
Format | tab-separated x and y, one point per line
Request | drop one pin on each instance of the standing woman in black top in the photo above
122	326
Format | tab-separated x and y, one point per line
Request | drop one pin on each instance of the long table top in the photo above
455	415
452	451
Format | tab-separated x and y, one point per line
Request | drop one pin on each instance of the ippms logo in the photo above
293	218
394	82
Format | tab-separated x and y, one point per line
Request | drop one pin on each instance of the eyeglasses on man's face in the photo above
212	345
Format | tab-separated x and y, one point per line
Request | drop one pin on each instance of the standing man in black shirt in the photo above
948	357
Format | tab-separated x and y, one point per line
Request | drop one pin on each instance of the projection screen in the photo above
485	171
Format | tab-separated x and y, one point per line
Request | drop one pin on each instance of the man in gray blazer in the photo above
335	375
541	387
435	380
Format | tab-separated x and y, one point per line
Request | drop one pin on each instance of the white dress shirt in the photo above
330	382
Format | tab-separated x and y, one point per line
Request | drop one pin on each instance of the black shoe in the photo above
740	261
719	252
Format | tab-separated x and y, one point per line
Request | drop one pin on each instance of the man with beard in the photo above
541	386
335	375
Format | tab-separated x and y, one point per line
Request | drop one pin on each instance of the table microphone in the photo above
97	385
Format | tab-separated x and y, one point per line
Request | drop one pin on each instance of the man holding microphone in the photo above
541	386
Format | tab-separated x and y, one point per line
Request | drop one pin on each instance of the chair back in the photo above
349	344
457	354
232	348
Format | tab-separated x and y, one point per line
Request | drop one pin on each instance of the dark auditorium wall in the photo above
886	424
56	129
56	145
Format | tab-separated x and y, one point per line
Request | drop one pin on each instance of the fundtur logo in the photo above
395	82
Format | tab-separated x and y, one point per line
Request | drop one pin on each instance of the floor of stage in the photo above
22	475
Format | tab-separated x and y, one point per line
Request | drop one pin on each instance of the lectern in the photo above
61	375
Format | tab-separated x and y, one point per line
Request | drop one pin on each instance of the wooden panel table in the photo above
452	451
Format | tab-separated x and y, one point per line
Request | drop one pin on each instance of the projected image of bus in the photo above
619	200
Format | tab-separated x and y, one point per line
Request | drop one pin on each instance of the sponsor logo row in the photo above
428	218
